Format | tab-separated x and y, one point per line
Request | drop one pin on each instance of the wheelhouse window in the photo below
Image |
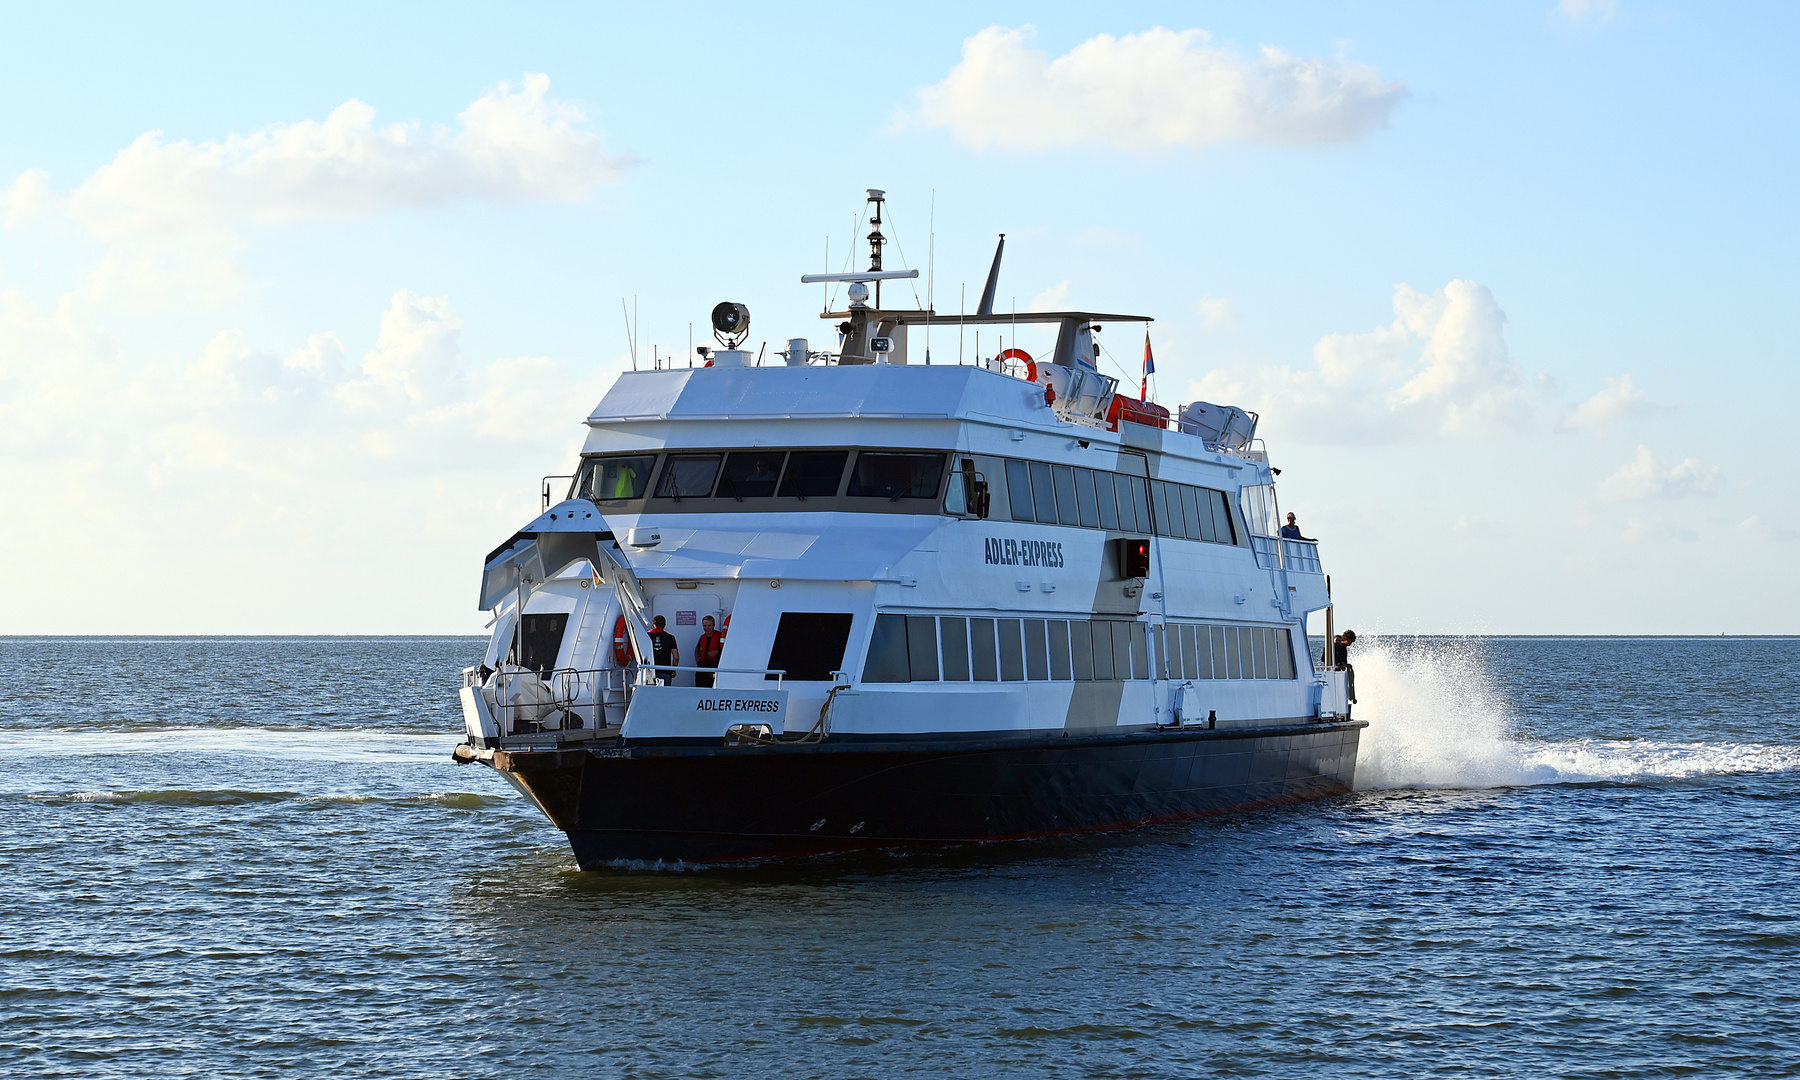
897	476
813	474
959	494
603	478
751	474
686	476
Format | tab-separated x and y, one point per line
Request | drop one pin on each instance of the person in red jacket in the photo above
707	650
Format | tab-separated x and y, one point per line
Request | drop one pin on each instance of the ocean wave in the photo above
194	797
1437	719
288	743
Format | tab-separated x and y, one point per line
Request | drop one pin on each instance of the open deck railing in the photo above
527	702
647	673
1297	556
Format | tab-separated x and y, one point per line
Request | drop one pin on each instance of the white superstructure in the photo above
896	551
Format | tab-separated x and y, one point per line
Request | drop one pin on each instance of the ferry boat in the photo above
950	603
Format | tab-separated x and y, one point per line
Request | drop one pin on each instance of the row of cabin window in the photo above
1210	651
1067	495
754	474
952	648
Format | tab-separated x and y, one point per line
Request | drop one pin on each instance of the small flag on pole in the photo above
1149	369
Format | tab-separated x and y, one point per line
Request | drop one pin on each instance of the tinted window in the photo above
1127	504
981	650
1081	645
1103	649
1109	504
1221	515
1284	654
750	474
1043	493
1086	498
687	476
1135	492
1018	490
921	647
1066	511
955	632
1059	650
813	475
613	478
1165	525
887	661
897	476
809	645
1012	653
1220	669
1199	516
1121	635
1037	653
1178	523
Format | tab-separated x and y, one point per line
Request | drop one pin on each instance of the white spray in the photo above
1437	719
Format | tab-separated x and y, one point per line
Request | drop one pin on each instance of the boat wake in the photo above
1438	719
347	746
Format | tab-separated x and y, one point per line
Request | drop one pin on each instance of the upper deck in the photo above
949	407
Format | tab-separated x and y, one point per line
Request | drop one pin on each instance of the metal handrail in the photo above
1284	553
779	673
567	686
544	485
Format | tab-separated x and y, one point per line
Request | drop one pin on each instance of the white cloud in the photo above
1150	91
1620	399
322	485
1218	312
1588	12
1755	528
1644	477
510	145
1440	368
1055	298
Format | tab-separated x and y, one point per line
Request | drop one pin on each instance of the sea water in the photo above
254	857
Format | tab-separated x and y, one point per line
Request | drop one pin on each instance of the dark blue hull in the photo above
718	803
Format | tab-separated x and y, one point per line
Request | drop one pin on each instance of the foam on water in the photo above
347	746
1438	719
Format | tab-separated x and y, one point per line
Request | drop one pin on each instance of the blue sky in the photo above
1511	284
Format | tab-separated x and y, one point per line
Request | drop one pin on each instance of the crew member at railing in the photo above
664	650
707	651
1291	531
1338	654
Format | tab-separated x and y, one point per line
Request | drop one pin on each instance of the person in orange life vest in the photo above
706	651
662	645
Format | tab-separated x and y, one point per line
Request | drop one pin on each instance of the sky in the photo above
298	303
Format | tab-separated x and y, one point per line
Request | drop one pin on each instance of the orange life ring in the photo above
622	651
1023	357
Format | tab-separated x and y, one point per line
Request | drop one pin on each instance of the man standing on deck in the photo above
1340	656
707	651
664	649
